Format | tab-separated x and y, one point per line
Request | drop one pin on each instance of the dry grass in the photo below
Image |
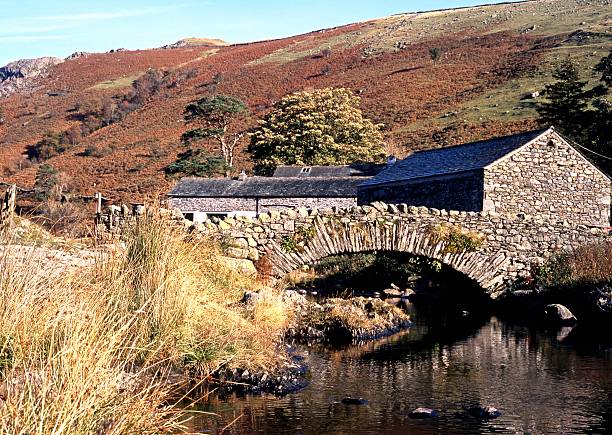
589	264
84	351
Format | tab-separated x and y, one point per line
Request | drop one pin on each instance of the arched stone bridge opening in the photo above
493	251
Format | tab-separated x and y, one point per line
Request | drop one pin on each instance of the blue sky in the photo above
30	28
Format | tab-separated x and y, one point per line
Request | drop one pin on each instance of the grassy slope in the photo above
493	56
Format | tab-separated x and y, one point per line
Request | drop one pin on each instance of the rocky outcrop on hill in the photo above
78	54
21	74
194	42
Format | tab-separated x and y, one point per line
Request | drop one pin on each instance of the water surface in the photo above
552	382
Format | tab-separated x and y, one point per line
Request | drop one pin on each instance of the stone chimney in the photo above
242	176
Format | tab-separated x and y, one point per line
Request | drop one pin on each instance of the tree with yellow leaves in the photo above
321	127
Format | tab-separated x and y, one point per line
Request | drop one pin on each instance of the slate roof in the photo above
354	170
268	187
459	158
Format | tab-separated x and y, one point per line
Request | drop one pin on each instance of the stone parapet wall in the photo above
299	237
289	239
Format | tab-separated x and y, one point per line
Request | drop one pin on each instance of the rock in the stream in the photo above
343	320
423	413
392	293
558	313
484	412
348	400
407	293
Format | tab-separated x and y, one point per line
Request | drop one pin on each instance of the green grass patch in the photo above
118	83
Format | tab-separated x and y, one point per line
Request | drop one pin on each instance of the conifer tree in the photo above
567	103
605	68
217	118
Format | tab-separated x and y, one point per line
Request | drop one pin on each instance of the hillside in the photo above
492	57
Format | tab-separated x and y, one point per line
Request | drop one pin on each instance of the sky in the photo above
30	28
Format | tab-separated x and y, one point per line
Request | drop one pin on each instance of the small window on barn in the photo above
188	216
305	170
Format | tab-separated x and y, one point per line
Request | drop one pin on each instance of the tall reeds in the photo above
85	350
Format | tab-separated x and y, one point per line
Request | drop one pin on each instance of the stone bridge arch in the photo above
508	247
333	237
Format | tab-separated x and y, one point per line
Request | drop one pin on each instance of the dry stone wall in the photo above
255	204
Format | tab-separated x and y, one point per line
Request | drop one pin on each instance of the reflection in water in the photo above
542	383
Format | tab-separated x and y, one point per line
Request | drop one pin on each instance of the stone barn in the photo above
290	187
536	173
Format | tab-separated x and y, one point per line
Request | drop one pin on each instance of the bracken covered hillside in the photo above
493	57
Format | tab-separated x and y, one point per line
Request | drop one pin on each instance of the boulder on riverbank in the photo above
602	298
343	320
560	314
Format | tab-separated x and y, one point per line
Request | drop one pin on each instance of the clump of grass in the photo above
456	239
68	357
588	264
86	351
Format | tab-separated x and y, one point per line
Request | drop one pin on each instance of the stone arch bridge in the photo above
492	250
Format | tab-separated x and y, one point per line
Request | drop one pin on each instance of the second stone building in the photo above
537	173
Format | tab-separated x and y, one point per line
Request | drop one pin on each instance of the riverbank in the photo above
132	331
110	345
580	280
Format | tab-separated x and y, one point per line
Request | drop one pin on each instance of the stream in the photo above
543	382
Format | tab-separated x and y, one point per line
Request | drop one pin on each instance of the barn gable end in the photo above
548	177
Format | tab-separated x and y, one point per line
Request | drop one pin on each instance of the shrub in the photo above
47	181
146	86
589	264
94	150
68	219
299	239
50	145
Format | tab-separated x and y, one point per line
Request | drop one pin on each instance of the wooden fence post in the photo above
7	206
